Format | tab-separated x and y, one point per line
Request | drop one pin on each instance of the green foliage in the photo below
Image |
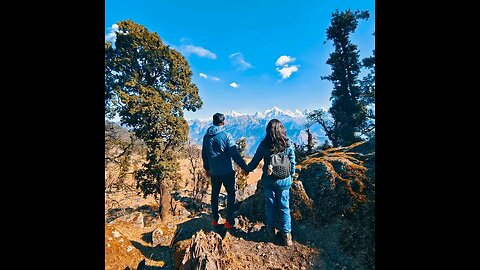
368	95
241	177
149	85
353	103
347	111
368	82
325	146
110	98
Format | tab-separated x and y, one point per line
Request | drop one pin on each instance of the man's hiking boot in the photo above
287	239
270	232
214	223
227	225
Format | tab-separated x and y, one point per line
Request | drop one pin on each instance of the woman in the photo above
276	191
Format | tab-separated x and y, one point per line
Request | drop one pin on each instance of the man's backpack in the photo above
279	167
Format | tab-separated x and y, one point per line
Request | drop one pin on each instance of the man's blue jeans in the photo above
228	182
277	204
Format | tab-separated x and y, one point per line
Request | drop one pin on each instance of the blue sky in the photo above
249	55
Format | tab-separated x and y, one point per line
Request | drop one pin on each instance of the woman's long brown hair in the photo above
276	139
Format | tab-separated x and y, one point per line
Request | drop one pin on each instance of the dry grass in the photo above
342	166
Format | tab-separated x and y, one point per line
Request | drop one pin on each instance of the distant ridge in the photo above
252	126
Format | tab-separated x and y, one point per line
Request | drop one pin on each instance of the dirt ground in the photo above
247	246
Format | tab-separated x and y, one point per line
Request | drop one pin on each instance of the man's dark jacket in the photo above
218	150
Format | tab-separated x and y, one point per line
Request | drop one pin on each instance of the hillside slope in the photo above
332	205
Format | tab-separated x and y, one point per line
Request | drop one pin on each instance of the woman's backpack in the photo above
279	167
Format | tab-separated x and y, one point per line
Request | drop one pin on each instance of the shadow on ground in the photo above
149	212
191	205
158	253
201	222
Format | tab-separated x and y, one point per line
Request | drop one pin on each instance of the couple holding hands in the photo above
219	149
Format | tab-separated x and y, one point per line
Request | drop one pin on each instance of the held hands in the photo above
270	169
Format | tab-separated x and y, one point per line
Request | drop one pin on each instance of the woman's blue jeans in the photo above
277	208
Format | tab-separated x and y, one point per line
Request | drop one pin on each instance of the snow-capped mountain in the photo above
252	127
234	114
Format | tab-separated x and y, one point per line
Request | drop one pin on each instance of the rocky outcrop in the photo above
135	218
339	185
253	206
336	181
300	204
244	193
180	249
119	251
205	252
163	234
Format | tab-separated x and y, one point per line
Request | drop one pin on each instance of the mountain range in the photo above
252	127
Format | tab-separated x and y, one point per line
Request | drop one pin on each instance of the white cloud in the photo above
205	76
199	51
234	85
286	71
112	36
284	59
238	60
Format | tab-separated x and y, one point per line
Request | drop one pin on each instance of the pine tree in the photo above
347	110
149	85
368	95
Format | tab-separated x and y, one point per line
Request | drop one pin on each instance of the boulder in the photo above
244	193
180	248
135	218
205	252
119	251
301	206
253	207
162	235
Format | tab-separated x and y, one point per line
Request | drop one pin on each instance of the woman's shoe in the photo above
287	239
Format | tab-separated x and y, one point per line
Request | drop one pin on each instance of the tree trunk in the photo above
164	202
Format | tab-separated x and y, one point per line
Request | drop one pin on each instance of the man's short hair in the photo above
218	118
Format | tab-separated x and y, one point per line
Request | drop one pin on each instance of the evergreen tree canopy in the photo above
149	85
347	110
368	94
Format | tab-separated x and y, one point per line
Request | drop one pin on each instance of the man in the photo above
218	150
